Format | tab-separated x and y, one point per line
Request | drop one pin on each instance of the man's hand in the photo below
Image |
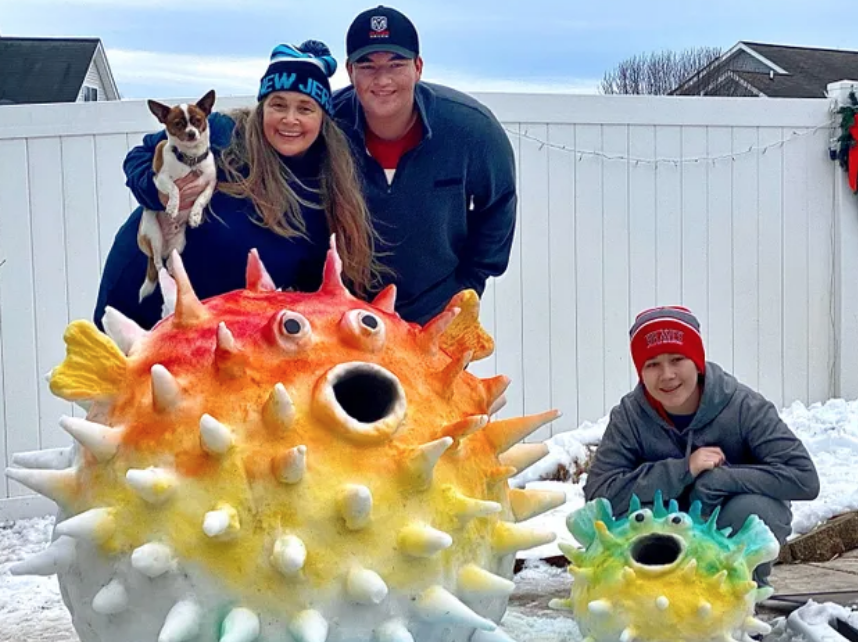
705	458
190	187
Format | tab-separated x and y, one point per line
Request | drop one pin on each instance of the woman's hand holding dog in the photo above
190	187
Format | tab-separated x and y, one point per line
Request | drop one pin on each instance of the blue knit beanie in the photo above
305	69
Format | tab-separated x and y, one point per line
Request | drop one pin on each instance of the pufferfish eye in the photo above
293	329
363	330
640	518
370	321
679	521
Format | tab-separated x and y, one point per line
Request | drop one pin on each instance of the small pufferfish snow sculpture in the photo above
662	575
272	465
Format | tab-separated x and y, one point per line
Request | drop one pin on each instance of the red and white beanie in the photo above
667	329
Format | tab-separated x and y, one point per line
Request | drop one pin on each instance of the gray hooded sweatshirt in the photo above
641	453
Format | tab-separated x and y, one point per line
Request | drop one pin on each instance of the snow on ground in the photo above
31	608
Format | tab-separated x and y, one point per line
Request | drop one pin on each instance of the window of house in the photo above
90	94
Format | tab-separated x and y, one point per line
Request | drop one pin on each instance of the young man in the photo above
438	168
694	432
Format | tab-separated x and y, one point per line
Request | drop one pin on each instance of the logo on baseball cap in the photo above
381	29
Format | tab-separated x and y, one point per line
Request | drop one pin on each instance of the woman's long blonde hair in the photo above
253	170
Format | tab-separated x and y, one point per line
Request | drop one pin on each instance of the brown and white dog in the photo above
186	150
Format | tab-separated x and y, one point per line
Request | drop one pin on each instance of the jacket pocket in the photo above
448	182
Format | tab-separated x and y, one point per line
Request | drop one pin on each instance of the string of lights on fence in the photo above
581	154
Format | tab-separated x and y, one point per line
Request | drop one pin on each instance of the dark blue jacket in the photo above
215	255
447	220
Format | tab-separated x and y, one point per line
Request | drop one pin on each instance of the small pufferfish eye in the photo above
294	326
363	330
641	517
370	321
680	521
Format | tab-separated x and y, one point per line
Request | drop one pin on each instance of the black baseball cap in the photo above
381	29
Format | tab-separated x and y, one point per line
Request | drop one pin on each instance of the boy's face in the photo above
384	83
672	380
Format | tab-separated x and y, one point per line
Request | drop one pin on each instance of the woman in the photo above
286	182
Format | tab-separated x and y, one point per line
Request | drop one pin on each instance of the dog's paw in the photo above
195	217
172	208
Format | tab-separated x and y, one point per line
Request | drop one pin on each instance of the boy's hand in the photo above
705	458
190	187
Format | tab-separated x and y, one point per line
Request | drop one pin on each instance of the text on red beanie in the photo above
669	329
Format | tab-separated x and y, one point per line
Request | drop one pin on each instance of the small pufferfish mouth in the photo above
362	400
656	553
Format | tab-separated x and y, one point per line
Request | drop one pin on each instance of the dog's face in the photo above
186	123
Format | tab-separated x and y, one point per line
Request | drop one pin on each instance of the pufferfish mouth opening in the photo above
656	553
364	401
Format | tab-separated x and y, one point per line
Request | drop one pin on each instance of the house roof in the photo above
779	71
809	70
44	70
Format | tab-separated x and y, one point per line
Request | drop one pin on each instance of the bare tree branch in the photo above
657	73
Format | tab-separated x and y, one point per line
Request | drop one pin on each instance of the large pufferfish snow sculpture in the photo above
662	575
273	466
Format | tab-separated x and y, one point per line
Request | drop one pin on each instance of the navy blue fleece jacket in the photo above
447	220
215	256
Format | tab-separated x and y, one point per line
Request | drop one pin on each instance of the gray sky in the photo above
169	48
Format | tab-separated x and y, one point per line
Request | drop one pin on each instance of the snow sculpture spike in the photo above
51	458
529	503
182	622
438	606
229	360
386	299
289	555
676	598
271	462
476	582
241	625
127	334
258	279
154	485
332	282
166	394
279	411
57	558
153	559
523	456
464	427
111	599
504	434
189	310
95	525
493	392
100	440
422	461
56	485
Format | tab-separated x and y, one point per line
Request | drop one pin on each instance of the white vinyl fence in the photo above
728	205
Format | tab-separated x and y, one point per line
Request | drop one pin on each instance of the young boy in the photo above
694	432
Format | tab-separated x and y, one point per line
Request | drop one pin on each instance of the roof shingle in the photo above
43	70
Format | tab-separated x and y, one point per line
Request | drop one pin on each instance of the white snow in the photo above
812	622
31	607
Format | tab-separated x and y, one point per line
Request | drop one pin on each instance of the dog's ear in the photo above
207	102
159	110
